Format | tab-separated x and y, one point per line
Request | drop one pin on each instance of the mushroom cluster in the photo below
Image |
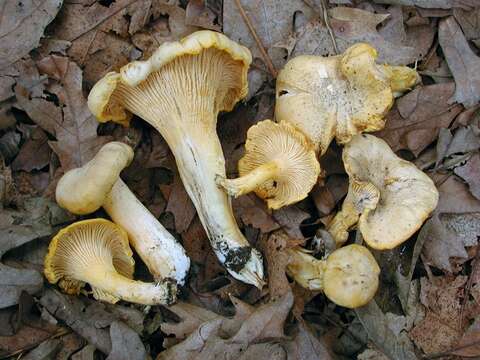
180	90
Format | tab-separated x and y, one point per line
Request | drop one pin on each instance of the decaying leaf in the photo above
126	344
462	61
77	140
469	344
18	228
435	4
442	327
22	23
34	154
417	117
470	173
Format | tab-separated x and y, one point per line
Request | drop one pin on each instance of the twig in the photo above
264	53
327	24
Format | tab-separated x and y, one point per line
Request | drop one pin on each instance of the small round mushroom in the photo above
279	164
180	90
339	96
98	183
96	252
348	277
389	197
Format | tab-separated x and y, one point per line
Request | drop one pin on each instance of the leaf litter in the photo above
50	62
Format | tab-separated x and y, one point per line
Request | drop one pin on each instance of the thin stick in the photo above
264	53
327	24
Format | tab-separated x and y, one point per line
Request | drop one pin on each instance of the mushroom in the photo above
348	277
279	164
339	96
98	184
96	252
179	91
389	197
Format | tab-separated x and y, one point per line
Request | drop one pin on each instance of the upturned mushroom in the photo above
98	184
389	197
348	276
279	164
179	91
339	96
96	252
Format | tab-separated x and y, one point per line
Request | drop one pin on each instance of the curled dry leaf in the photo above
462	61
21	26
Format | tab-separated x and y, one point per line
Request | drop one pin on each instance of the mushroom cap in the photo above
105	108
294	154
407	196
337	96
351	276
83	190
78	248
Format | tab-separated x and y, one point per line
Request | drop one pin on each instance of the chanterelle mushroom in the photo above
279	164
96	252
339	96
388	196
349	275
96	184
180	90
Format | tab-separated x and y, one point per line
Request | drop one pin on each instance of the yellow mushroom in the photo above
98	184
180	90
348	277
279	164
96	252
389	197
339	96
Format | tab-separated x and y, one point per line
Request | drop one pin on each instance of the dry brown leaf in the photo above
252	211
470	172
77	140
417	117
469	344
351	25
441	328
180	205
469	21
462	61
273	19
22	23
34	154
198	13
435	4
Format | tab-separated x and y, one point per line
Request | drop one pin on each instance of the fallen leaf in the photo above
34	154
306	346
252	211
470	173
469	21
209	341
198	13
261	13
91	319
291	218
18	228
351	25
21	26
126	344
462	61
435	4
469	344
180	205
77	140
87	353
417	117
45	351
393	342
464	140
441	328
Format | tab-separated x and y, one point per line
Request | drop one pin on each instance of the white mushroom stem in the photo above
159	250
199	160
103	277
251	181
